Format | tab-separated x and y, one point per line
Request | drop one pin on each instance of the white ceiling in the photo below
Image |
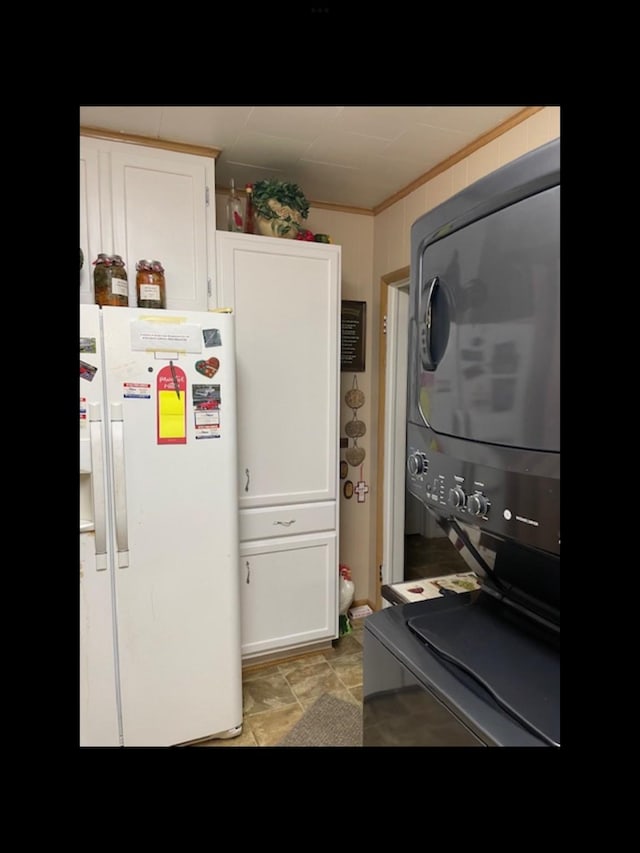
357	156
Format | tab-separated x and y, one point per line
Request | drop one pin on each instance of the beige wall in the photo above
371	248
354	232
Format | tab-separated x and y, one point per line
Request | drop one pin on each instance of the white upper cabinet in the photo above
285	298
150	203
90	236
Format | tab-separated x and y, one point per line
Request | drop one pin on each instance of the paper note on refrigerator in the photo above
172	402
171	419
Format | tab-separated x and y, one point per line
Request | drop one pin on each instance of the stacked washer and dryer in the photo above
483	457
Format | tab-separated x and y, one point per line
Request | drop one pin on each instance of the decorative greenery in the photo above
285	194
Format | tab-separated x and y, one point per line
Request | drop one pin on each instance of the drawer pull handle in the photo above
286	523
246	485
248	580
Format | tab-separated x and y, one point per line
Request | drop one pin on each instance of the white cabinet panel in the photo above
285	297
289	592
160	211
90	238
152	203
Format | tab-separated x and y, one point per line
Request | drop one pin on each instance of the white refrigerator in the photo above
160	641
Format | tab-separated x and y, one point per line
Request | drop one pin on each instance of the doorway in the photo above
409	542
392	412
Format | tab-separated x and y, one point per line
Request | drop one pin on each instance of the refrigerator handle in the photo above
120	495
97	475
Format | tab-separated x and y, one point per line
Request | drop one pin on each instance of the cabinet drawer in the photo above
267	522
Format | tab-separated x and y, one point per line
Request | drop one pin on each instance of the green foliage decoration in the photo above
285	193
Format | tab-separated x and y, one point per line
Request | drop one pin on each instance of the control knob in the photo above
456	497
477	504
417	464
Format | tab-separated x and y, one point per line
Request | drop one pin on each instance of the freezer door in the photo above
97	673
98	705
173	449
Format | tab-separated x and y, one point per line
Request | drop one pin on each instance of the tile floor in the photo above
275	696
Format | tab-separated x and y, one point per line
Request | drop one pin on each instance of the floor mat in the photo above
328	722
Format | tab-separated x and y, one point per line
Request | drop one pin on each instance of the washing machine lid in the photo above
484	639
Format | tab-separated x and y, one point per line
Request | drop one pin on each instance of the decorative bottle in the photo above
235	220
248	214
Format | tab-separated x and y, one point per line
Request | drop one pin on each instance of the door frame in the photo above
391	404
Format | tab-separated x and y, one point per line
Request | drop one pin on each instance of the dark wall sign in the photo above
353	336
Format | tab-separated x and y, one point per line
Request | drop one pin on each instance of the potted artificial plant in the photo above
278	207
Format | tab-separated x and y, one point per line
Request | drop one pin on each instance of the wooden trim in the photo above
397	275
480	142
341	208
382	395
268	659
386	281
150	142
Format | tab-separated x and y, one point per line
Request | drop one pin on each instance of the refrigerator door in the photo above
98	705
171	394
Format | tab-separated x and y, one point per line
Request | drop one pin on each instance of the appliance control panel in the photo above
445	490
523	507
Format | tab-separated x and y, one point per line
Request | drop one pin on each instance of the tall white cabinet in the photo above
144	202
285	295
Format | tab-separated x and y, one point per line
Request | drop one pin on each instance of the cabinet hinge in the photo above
208	287
206	196
384	325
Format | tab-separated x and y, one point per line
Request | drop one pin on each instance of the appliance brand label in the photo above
137	389
527	520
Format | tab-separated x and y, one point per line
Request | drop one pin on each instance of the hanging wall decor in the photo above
352	335
354	398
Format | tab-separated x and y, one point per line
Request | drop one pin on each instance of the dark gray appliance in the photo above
462	670
483	456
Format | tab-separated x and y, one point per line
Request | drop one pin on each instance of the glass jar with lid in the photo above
150	284
110	282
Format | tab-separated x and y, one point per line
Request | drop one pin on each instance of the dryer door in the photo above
485	328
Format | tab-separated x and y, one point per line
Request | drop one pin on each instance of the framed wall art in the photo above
353	335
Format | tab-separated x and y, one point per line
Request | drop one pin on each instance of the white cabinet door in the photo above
161	210
285	296
90	238
289	592
141	202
